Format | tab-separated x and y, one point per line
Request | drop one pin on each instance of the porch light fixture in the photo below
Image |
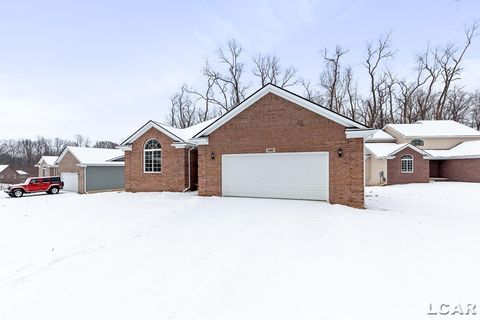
212	156
340	152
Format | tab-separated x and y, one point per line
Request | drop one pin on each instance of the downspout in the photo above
85	179
189	171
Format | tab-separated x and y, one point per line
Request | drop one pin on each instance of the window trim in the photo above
152	150
401	163
417	145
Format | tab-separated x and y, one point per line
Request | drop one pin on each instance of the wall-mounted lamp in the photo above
212	156
340	152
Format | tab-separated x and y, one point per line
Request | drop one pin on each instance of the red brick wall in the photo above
467	170
421	168
434	169
273	122
174	175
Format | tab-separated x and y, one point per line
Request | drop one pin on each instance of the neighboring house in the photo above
86	170
22	175
423	151
275	144
8	175
46	166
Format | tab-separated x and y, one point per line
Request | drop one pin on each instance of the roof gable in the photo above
287	95
3	167
176	134
388	150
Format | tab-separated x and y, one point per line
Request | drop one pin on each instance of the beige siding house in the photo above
437	150
46	166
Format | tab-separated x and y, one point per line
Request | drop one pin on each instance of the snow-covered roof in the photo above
21	172
434	129
49	160
381	136
93	156
3	167
177	134
387	150
465	150
186	134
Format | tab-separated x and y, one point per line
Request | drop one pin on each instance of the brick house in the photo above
7	174
423	151
85	170
274	144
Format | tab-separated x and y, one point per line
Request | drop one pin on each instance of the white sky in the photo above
103	68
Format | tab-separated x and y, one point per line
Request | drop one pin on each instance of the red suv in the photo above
50	185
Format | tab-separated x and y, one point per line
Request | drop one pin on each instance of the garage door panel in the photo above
70	181
276	175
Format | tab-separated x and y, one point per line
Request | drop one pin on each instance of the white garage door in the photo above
70	181
298	175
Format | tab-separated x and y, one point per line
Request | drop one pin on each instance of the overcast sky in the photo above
102	68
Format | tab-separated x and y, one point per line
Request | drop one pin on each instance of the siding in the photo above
105	178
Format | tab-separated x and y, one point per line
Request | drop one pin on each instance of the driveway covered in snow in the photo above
179	256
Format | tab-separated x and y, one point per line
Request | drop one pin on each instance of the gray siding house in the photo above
86	170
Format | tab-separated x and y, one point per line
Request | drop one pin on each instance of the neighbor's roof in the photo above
465	150
21	172
177	134
434	129
381	136
93	156
287	95
3	167
387	150
49	160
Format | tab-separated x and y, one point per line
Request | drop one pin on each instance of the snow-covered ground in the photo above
178	256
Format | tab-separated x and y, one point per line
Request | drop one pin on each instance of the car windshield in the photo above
27	181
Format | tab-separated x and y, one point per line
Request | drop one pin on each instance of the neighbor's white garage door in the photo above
298	175
70	181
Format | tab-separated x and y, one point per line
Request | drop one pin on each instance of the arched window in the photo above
152	156
407	164
417	143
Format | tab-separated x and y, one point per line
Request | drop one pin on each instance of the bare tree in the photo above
332	81
449	59
269	70
183	112
376	55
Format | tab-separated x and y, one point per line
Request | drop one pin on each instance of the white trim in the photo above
452	157
152	150
150	124
60	157
359	133
269	88
401	164
203	141
180	145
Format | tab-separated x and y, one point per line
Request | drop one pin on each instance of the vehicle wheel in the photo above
10	195
18	193
54	190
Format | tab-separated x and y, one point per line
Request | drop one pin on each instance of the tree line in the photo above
429	92
25	153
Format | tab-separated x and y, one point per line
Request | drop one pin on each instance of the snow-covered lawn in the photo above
178	256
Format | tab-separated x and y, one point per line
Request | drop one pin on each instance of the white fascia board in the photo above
285	95
422	152
183	145
150	124
110	164
127	147
199	141
359	133
452	157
